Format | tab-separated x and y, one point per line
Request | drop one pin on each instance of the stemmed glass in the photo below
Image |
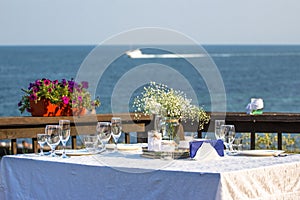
64	135
53	132
116	130
228	133
218	124
42	140
104	132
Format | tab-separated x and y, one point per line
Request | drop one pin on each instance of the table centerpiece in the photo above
45	97
172	106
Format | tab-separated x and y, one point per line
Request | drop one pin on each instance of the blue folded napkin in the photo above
217	144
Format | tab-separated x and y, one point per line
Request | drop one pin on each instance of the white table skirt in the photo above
129	176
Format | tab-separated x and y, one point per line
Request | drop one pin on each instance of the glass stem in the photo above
64	150
41	150
52	151
116	147
230	147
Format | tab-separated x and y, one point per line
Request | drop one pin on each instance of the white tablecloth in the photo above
130	176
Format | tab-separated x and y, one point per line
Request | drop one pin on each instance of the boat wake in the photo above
138	54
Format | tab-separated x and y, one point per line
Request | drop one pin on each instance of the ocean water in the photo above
269	72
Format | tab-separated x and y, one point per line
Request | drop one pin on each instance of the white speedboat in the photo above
138	54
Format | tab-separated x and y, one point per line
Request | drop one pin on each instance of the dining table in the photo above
130	175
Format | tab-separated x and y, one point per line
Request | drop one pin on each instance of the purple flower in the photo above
47	82
20	104
70	89
65	99
78	90
71	83
76	86
31	85
35	89
64	82
55	82
80	98
38	82
85	84
33	97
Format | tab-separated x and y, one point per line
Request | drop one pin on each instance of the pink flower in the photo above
65	100
47	82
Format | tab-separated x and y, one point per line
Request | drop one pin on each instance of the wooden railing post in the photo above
252	141
74	142
127	138
34	145
199	133
14	148
279	141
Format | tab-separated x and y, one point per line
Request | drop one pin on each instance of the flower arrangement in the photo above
66	92
159	99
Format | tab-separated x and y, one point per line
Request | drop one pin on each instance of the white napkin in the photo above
255	104
206	152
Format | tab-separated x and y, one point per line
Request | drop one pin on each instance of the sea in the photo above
270	72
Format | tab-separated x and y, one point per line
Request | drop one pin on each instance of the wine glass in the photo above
42	140
53	132
116	129
64	135
104	132
228	134
218	124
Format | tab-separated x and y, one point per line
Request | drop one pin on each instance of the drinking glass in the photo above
157	122
42	140
53	132
90	142
228	131
64	135
237	144
218	124
103	132
116	130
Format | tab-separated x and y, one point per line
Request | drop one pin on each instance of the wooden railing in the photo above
13	128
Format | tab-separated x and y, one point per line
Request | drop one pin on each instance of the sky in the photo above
78	22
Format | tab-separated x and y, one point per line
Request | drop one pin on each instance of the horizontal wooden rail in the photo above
13	128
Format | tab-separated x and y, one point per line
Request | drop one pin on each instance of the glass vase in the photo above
170	129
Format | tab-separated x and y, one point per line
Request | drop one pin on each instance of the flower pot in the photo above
44	108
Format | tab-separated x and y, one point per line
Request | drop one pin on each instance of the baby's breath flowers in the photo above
162	100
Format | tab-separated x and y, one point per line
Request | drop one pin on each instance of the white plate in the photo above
73	152
125	147
260	152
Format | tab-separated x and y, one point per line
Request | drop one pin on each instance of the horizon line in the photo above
212	44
